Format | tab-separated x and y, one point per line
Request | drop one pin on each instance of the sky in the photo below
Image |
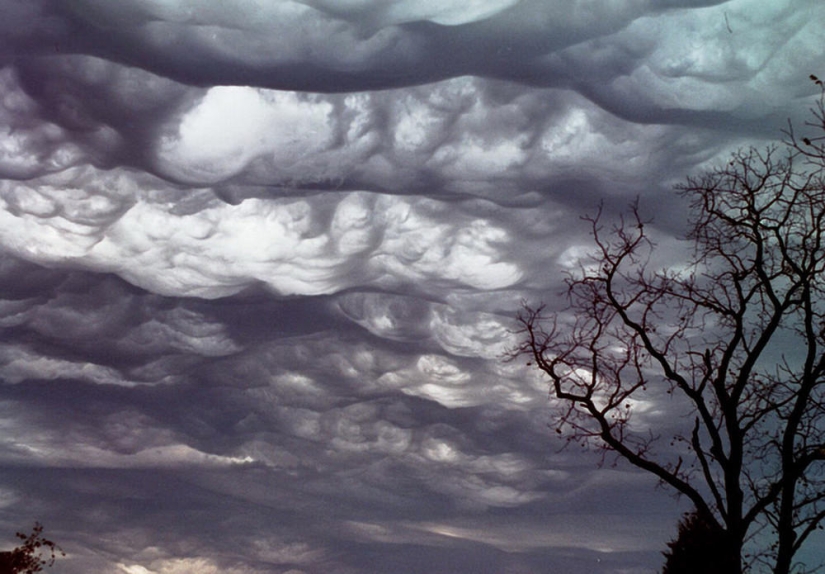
260	262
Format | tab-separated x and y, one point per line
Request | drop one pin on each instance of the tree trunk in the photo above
784	556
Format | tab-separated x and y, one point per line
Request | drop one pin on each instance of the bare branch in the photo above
736	334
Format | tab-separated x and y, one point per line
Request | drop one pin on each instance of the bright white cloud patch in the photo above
232	126
292	246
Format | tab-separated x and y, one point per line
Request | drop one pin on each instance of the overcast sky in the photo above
260	259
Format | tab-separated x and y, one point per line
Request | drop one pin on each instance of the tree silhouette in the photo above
32	555
730	339
699	547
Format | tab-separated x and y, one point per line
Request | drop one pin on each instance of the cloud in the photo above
267	43
232	126
393	12
306	246
259	264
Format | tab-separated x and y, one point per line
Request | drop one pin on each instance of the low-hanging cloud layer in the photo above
259	263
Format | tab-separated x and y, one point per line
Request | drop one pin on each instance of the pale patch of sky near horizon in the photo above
259	263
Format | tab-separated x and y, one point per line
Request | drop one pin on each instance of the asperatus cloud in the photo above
261	263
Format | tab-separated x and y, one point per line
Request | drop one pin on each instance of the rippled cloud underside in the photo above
260	260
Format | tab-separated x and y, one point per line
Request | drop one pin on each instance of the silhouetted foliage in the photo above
731	337
699	547
32	555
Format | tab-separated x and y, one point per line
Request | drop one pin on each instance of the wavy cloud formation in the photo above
259	264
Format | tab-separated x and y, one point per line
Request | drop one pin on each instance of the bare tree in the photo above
732	337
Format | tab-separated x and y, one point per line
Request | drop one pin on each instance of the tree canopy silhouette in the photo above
32	555
730	340
698	547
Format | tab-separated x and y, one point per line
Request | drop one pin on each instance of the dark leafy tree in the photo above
699	547
35	553
732	337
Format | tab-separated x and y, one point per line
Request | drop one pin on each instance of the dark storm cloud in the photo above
309	45
613	52
256	330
